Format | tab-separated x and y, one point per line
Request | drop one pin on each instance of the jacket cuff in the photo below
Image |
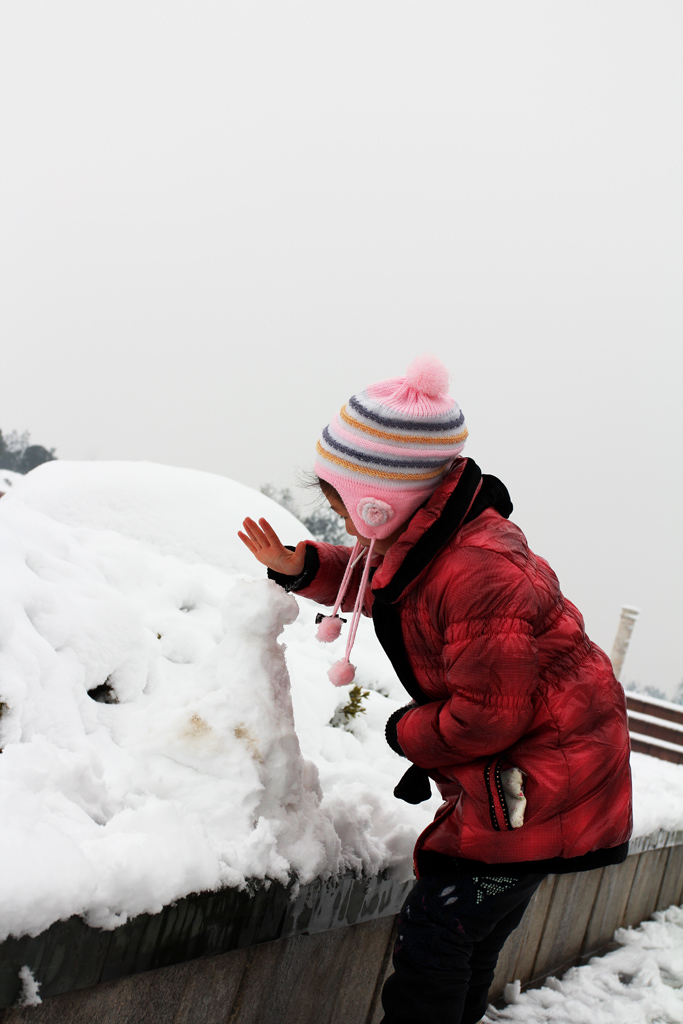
391	730
305	577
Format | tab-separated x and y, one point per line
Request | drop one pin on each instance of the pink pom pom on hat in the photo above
390	446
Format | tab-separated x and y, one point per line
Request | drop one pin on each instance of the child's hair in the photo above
311	481
328	490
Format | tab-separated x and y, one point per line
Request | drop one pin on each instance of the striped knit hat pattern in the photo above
391	445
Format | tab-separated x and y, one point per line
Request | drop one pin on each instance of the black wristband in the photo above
305	577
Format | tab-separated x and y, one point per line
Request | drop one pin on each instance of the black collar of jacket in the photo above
458	510
464	504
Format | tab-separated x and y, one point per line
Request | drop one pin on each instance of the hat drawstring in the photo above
343	672
329	626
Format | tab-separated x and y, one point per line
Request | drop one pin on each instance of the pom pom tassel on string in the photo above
329	628
342	673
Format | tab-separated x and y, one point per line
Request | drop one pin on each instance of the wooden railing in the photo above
656	727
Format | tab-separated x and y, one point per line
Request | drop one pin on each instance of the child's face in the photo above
337	506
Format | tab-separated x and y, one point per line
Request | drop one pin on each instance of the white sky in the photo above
219	219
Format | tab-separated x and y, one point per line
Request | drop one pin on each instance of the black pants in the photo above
451	930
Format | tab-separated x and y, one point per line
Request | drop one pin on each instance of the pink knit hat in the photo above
385	452
389	447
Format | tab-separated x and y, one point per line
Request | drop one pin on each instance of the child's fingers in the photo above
256	535
270	533
246	541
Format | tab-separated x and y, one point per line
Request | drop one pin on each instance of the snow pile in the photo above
153	745
127	583
641	983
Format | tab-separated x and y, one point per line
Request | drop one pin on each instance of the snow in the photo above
657	795
29	988
639	983
218	763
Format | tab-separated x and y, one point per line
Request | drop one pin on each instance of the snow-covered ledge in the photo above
570	918
72	955
657	840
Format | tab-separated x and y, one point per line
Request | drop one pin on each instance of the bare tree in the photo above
322	523
19	455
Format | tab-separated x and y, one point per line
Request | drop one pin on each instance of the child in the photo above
515	713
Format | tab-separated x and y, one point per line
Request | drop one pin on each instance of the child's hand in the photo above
265	545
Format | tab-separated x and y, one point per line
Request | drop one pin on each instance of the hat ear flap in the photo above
374	511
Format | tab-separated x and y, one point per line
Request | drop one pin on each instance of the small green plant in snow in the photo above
344	716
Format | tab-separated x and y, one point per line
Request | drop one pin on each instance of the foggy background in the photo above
220	219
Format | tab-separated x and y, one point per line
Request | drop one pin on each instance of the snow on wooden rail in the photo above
656	727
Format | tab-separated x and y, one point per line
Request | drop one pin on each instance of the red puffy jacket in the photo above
504	676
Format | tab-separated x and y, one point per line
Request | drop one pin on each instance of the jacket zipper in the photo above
500	819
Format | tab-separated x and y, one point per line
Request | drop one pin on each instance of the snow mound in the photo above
148	725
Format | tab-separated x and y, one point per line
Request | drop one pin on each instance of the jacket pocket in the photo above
504	787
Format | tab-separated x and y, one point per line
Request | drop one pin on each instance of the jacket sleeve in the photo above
321	578
489	665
